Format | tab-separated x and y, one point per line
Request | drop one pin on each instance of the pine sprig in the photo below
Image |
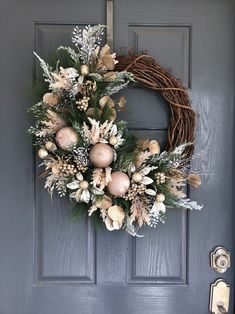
87	40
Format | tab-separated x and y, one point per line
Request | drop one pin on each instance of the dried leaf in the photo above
139	211
108	62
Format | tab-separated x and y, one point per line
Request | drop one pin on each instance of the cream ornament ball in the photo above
137	177
50	146
101	155
160	198
42	153
113	140
120	183
66	138
154	147
104	203
84	70
116	213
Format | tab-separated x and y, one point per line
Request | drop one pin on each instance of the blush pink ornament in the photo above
120	183
66	138
101	155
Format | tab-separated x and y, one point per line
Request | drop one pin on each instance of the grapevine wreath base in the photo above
90	156
151	75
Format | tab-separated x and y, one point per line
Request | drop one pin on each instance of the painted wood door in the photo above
50	266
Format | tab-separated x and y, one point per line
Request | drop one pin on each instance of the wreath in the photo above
89	155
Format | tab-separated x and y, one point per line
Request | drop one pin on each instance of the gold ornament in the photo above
105	202
84	185
110	76
67	169
50	146
81	167
194	180
160	198
83	103
66	138
160	177
42	153
134	190
84	70
154	147
50	99
137	177
120	183
101	155
113	140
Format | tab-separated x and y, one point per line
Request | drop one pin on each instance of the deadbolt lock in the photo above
220	259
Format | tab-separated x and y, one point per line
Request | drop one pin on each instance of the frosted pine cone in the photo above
81	158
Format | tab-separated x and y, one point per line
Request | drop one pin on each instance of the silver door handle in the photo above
219	297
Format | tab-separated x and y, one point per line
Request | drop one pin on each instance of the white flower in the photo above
158	207
117	134
84	192
141	177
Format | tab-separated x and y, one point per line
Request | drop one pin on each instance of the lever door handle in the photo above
221	308
219	297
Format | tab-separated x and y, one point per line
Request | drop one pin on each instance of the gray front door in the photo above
50	266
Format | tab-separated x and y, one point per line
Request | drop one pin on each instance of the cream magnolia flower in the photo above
157	208
140	176
84	192
117	136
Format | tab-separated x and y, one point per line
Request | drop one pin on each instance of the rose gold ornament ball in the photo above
120	183
66	138
101	155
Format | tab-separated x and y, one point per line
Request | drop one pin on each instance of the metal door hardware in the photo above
109	22
220	259
219	297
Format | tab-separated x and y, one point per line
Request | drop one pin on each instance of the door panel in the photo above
64	251
50	265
